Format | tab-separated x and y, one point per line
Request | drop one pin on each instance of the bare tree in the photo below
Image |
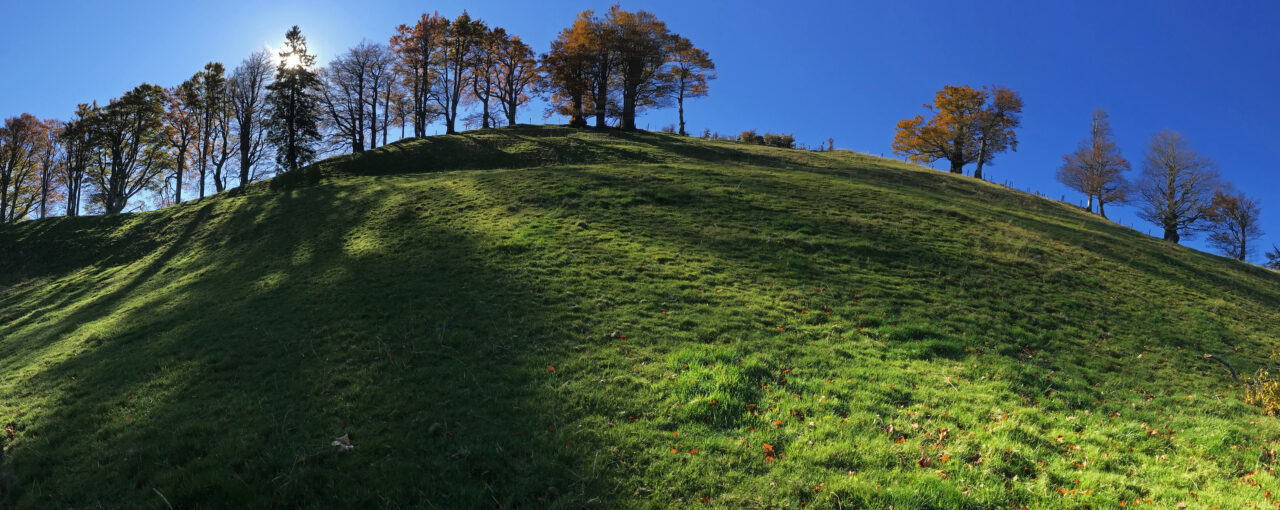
224	145
1177	185
212	88
78	148
1234	222
1273	258
50	159
1096	168
484	68
517	71
344	91
380	80
249	107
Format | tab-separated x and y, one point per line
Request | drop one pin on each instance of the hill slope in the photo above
539	317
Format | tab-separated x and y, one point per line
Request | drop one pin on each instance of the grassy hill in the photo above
543	317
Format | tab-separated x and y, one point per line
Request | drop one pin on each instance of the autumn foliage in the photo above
1234	223
618	64
968	126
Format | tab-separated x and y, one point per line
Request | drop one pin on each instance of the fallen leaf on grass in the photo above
343	443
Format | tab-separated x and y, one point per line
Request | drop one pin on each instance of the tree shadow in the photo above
373	319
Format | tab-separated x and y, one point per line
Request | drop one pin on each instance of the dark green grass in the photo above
538	317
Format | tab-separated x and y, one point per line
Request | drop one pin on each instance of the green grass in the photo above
540	317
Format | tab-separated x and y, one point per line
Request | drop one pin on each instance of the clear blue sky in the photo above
847	70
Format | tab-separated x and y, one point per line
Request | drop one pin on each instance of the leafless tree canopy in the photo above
248	100
1096	168
1177	185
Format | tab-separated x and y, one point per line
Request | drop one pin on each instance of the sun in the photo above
290	62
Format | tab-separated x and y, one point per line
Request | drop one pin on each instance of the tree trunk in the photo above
982	154
177	193
629	110
957	166
577	120
1243	240
680	102
1101	211
1171	234
44	194
246	141
373	122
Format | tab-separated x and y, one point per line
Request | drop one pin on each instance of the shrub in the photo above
1264	391
780	140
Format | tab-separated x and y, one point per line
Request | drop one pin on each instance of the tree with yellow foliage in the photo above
965	127
691	67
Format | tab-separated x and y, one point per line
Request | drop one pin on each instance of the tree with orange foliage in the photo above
416	48
964	128
568	72
20	140
691	67
1233	222
642	47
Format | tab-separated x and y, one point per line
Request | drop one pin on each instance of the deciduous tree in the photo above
416	49
691	68
181	115
77	145
50	159
212	92
517	71
568	72
484	69
642	48
453	66
995	125
1096	168
20	140
1273	258
293	103
379	82
1177	185
128	138
248	87
1234	223
964	128
343	93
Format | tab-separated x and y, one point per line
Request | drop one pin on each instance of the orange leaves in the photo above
963	120
551	368
768	448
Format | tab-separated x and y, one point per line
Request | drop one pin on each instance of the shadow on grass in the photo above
403	338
